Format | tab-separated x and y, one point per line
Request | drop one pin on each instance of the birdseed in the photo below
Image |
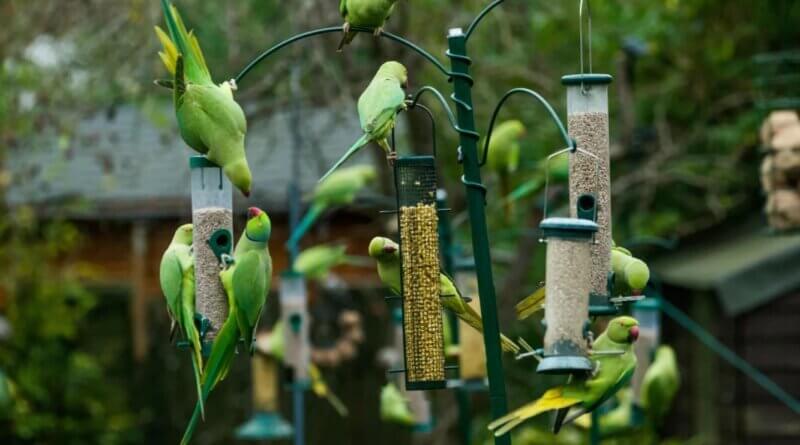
422	313
567	303
586	175
211	300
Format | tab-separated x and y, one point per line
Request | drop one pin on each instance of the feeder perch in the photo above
472	356
648	313
587	121
569	260
294	313
423	328
212	218
266	423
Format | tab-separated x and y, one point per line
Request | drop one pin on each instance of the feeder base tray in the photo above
265	426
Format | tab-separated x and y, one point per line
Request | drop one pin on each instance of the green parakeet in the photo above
338	189
177	283
364	14
503	156
246	283
274	345
209	119
7	395
387	255
394	406
316	262
611	373
377	109
559	174
660	385
630	274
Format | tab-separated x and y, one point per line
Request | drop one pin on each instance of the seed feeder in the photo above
568	277
423	328
212	218
472	355
648	313
294	314
266	423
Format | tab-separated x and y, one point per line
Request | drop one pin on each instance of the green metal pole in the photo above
594	431
476	202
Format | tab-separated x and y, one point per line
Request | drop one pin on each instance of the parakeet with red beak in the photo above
378	106
614	363
209	119
387	254
246	281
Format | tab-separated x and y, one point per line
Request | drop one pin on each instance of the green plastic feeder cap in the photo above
568	228
201	162
586	79
265	426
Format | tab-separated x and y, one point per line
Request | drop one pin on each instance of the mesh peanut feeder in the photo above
212	218
294	314
568	284
423	336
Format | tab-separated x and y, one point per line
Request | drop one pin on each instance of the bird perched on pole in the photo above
176	276
365	14
387	255
614	363
209	119
246	281
378	106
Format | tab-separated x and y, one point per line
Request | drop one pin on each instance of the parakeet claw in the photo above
378	31
233	85
346	27
227	260
391	158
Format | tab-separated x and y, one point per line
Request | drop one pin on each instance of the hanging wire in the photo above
580	34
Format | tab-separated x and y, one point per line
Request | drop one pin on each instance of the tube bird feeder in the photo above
568	278
266	423
587	121
423	328
472	352
648	313
294	313
212	218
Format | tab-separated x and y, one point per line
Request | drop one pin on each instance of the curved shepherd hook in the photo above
337	29
570	143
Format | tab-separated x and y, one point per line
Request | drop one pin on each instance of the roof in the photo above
126	165
746	265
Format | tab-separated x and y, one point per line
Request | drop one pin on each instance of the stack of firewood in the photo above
780	170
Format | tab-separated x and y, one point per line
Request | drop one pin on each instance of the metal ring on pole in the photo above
567	140
338	29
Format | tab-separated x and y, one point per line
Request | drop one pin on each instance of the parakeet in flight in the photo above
209	119
338	189
246	282
660	385
177	283
611	373
503	156
364	14
377	110
387	255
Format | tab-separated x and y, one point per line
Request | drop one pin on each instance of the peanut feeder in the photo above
569	261
212	218
423	329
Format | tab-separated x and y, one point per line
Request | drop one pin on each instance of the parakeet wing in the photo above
378	106
187	45
250	290
343	8
171	278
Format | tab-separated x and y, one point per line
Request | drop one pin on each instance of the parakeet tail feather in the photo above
550	400
362	141
531	304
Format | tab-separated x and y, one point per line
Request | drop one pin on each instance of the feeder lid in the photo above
651	303
201	162
575	228
586	79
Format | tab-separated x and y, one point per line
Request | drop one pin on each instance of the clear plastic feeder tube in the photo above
587	120
569	260
472	351
212	218
265	383
648	313
294	313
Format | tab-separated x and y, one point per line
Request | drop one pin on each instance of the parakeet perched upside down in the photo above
611	373
365	14
246	282
338	189
177	283
209	119
387	255
378	106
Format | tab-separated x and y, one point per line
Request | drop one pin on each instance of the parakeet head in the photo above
665	353
396	70
638	274
259	227
623	330
183	235
514	128
239	174
382	248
